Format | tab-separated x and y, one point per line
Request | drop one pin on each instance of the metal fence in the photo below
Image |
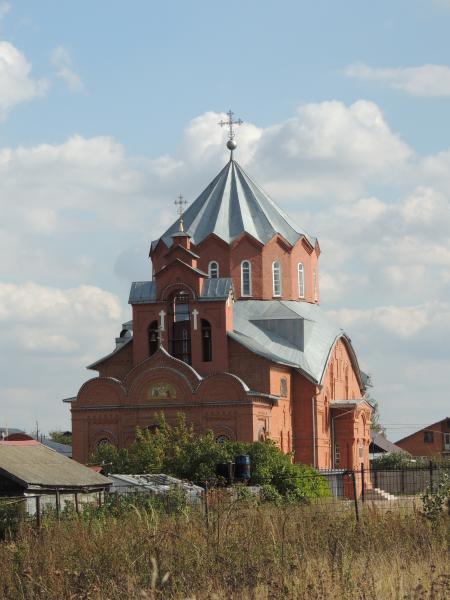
356	492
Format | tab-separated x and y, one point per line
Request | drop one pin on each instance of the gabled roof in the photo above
34	467
296	334
233	204
380	443
144	292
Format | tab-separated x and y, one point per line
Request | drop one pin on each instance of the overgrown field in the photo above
244	552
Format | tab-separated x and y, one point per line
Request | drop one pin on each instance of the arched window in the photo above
180	342
206	341
153	337
315	286
246	278
301	280
213	269
283	387
102	442
276	277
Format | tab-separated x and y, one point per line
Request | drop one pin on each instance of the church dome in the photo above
233	204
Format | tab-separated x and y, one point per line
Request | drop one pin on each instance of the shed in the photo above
28	468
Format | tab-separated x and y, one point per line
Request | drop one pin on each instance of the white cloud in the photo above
62	60
427	80
16	83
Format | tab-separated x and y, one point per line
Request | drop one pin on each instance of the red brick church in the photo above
229	331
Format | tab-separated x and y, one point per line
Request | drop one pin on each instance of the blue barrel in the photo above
242	468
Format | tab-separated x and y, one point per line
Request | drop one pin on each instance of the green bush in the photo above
177	450
12	512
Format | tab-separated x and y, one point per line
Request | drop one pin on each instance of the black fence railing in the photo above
347	491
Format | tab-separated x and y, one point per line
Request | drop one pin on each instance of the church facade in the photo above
229	331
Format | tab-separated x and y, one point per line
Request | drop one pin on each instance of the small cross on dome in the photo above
180	203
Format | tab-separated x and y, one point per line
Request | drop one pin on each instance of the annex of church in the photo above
229	331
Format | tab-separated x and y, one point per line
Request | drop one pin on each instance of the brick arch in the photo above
172	288
220	386
175	384
101	390
225	430
162	359
102	434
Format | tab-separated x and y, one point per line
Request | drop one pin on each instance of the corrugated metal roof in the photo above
216	288
260	325
34	466
231	205
142	292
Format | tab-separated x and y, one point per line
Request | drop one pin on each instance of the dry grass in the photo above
246	553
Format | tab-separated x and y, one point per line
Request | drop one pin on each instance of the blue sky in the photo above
109	110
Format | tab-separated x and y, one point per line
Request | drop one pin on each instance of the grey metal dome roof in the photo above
233	204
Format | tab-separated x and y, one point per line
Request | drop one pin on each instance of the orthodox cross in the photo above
180	203
195	315
230	124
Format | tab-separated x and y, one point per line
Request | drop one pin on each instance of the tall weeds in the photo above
246	552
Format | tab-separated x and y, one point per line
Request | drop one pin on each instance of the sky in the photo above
109	110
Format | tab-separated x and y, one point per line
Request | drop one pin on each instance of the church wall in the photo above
303	253
246	248
254	370
143	316
117	365
281	415
302	421
213	248
276	250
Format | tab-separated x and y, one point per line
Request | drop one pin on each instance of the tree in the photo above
177	450
375	425
61	437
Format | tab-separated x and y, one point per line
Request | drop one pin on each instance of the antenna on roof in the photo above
231	144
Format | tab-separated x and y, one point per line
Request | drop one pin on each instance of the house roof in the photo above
427	428
36	467
233	204
297	334
380	443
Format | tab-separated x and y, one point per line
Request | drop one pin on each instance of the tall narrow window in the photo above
153	337
246	278
213	269
276	276
301	280
180	342
206	341
315	285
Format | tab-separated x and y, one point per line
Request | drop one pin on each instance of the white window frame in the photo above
276	290
301	279
249	278
211	268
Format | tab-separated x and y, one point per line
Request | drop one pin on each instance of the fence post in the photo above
38	512
363	483
355	497
58	505
431	474
206	505
77	504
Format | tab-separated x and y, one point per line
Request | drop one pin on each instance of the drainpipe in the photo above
313	414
